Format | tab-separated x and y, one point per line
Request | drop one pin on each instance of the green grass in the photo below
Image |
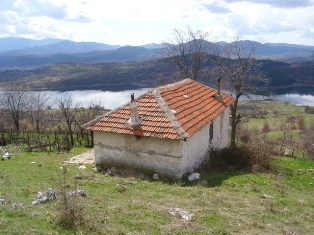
277	114
222	202
285	125
277	202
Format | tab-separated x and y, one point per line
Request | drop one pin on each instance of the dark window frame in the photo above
211	131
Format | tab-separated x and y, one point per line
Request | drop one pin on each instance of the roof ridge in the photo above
93	122
174	122
175	84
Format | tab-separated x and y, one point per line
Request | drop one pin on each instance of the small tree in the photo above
71	210
95	109
14	100
69	112
188	51
238	68
35	108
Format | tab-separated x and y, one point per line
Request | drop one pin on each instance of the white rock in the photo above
16	205
156	177
77	192
184	215
36	202
194	176
2	201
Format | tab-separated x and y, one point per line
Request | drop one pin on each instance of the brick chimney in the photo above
134	116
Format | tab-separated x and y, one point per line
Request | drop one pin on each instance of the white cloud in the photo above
40	8
279	3
140	22
259	19
217	8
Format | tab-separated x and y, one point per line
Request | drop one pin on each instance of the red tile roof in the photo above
175	111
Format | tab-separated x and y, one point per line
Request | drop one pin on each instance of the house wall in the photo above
152	154
196	147
194	150
221	131
164	156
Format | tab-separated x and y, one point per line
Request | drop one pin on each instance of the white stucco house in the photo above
167	130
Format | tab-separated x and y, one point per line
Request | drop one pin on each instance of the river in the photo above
113	99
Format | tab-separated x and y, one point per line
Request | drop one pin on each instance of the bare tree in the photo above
188	51
69	112
95	109
238	68
14	100
36	108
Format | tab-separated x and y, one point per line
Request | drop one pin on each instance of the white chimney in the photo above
218	96
219	85
135	118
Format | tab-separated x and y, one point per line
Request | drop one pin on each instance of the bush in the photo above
71	210
301	123
260	152
265	128
308	144
229	158
244	135
308	109
252	156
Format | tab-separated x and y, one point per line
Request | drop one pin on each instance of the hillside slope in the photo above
284	77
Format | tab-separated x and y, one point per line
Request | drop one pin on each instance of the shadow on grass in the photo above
208	178
222	165
216	179
213	179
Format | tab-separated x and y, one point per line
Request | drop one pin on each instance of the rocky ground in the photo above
84	158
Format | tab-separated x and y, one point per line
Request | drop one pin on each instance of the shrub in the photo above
301	123
308	109
260	152
244	135
229	158
265	128
253	156
71	211
308	144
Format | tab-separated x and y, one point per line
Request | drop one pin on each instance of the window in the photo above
211	131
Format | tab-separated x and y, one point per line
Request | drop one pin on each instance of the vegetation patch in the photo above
227	201
255	188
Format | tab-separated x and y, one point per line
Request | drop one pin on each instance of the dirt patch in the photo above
84	158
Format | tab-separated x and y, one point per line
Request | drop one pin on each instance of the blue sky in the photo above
139	22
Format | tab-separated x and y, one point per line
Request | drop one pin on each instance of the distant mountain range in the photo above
20	52
55	64
121	54
10	44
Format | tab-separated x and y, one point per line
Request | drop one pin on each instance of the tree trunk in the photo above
71	134
234	122
72	139
16	120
